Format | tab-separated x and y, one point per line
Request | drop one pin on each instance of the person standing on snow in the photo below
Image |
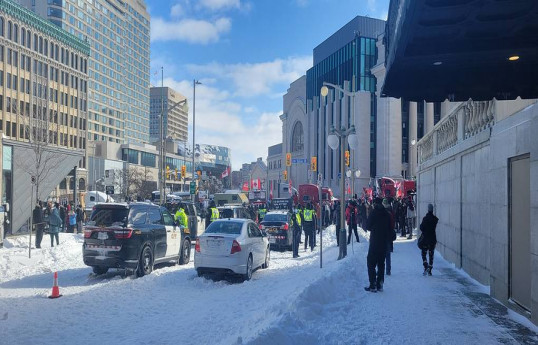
410	217
212	214
80	218
55	222
296	221
37	219
378	224
309	216
181	217
352	214
428	225
390	244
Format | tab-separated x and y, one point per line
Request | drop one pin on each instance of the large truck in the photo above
309	193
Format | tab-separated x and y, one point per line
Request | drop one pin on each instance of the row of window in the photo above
43	135
42	45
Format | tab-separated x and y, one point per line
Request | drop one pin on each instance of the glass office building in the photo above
118	32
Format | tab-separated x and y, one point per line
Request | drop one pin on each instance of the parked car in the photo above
231	246
133	236
278	228
235	211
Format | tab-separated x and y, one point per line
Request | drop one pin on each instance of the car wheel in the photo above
267	259
98	270
185	252
248	275
145	264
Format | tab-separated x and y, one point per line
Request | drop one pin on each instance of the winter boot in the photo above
370	288
425	270
430	270
380	287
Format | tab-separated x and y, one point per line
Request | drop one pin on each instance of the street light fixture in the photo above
337	139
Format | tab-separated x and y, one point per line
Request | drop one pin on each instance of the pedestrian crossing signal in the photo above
314	164
347	158
285	175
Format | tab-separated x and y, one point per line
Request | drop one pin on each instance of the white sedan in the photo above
234	246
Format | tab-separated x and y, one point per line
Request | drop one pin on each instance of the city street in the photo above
293	301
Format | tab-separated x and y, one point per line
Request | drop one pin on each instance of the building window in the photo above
82	184
147	159
297	138
130	156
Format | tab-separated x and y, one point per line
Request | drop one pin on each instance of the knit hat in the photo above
430	208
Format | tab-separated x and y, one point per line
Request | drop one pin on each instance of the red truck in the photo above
386	187
310	193
327	195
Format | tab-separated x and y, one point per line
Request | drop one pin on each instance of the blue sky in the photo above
246	54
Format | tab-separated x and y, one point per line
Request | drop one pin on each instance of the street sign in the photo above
299	160
193	187
320	179
109	190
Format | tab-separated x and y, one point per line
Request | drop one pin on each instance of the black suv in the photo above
133	236
277	226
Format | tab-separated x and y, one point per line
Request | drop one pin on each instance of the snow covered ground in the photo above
292	302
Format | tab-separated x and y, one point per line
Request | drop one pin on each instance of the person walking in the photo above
402	214
390	243
80	218
55	222
37	219
410	217
309	226
352	214
429	239
378	224
296	221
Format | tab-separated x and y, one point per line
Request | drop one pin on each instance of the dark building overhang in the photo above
460	49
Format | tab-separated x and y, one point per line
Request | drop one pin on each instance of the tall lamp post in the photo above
337	138
194	83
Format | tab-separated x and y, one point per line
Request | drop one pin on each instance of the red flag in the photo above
245	186
271	191
289	187
256	183
225	173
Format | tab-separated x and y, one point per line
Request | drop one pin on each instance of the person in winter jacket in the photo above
352	215
427	227
296	221
390	244
80	218
378	224
72	218
55	222
37	219
212	214
411	215
309	226
63	216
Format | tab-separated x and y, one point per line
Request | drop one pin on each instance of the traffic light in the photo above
285	172
176	175
167	172
314	163
347	158
288	159
183	171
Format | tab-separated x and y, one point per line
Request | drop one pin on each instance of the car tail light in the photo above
122	234
197	245
88	233
262	227
236	247
284	227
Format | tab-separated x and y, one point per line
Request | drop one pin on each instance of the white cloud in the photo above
189	30
371	5
177	10
215	5
221	121
259	78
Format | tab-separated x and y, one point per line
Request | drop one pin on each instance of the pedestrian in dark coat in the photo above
378	224
352	215
37	219
296	220
80	218
402	214
390	244
62	214
429	239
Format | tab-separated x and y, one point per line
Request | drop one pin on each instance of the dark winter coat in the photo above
352	214
37	215
378	224
428	225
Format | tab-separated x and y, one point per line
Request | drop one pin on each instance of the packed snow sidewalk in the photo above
293	302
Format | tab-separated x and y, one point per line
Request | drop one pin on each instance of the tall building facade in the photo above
175	121
118	32
43	106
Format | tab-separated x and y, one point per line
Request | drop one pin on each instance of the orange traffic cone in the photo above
55	288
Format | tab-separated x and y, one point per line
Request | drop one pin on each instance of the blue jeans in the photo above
387	257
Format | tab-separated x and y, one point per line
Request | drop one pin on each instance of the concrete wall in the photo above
469	186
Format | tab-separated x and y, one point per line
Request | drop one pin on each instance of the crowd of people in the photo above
55	218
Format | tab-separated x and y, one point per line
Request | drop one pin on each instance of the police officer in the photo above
309	216
296	222
213	213
262	211
181	217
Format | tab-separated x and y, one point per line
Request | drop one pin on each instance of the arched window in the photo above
2	26
82	184
9	30
63	184
16	33
29	40
35	42
23	37
72	183
297	138
46	47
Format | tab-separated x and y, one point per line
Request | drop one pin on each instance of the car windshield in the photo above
226	213
224	227
109	217
275	217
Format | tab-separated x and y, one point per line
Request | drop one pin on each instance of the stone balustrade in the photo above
464	122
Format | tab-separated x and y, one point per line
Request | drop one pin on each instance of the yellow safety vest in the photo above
181	217
308	215
298	219
214	214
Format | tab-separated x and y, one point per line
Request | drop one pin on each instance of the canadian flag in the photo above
256	183
245	186
225	173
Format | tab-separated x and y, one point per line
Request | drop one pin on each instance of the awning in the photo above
461	49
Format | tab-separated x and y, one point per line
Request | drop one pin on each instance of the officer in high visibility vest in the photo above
181	217
296	224
213	213
262	211
309	216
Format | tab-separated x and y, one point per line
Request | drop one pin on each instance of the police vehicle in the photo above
277	224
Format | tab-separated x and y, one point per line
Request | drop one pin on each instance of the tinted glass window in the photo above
224	227
275	218
154	216
226	213
109	217
167	217
138	216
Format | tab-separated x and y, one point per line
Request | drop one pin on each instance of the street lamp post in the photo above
337	138
194	83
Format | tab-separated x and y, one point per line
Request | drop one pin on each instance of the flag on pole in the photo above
271	191
245	186
255	183
225	173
